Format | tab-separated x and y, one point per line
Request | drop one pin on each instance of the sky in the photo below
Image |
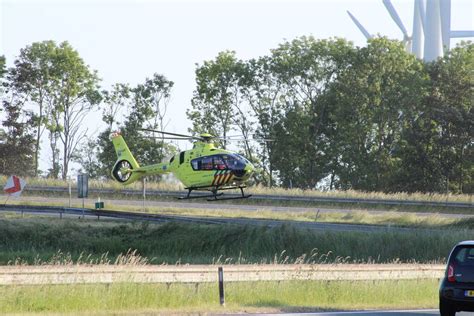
127	41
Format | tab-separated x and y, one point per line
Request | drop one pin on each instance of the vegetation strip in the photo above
197	219
289	296
22	275
36	240
270	197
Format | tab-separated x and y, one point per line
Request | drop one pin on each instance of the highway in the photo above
220	206
268	197
162	218
422	312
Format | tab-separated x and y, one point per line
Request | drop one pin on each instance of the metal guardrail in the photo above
70	274
269	197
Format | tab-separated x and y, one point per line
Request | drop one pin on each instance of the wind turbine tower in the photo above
431	34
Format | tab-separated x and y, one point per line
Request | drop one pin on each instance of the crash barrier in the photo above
72	274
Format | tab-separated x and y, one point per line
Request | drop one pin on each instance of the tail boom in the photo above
126	169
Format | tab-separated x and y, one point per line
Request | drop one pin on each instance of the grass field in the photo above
384	218
34	241
289	296
433	197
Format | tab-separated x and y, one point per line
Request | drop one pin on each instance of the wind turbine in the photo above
407	39
361	28
432	32
412	43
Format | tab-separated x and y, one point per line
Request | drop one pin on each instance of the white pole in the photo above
445	12
417	36
433	38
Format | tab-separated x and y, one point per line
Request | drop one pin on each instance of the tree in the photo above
262	90
146	106
31	77
57	80
16	141
451	101
305	68
375	98
216	96
2	66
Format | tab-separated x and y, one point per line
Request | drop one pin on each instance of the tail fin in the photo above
123	168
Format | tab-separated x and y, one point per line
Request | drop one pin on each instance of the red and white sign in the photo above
14	186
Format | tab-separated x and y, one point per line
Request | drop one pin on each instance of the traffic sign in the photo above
14	186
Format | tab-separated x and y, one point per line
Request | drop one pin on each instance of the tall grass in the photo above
35	240
287	296
175	185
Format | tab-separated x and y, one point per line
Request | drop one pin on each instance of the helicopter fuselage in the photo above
203	167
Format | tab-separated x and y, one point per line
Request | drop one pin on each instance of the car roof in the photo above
466	243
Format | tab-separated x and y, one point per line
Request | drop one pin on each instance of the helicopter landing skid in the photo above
188	197
230	198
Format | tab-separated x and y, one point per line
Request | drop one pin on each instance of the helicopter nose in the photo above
244	173
249	169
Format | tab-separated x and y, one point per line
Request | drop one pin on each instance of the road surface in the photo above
370	313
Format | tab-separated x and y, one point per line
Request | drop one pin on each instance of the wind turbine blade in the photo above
395	17
462	34
361	28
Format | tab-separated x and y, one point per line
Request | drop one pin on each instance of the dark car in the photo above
456	292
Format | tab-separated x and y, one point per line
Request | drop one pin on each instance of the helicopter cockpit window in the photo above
219	162
206	163
234	162
181	157
196	164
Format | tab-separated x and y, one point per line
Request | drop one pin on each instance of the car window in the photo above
464	256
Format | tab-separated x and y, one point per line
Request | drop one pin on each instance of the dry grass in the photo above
175	186
388	218
289	296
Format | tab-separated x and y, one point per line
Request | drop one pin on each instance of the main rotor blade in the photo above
361	28
170	138
166	133
395	17
244	139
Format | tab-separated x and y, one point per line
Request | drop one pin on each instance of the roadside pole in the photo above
82	189
221	286
70	191
144	193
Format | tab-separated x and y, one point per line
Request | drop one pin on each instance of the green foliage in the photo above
63	89
146	105
285	296
16	141
191	243
216	99
374	98
373	118
2	66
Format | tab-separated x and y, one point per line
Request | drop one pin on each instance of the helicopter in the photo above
202	168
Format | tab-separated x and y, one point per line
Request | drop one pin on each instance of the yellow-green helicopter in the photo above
204	167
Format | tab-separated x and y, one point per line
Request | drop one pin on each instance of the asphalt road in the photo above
177	204
372	313
313	225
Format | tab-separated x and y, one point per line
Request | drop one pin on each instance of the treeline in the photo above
48	95
372	118
343	117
